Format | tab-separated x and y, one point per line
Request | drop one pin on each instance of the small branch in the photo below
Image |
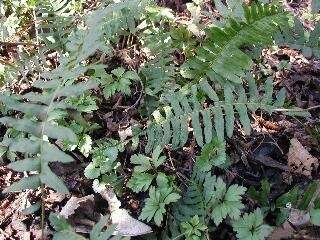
296	110
15	44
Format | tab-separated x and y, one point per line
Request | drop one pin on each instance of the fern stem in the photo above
15	44
42	211
42	131
297	110
179	236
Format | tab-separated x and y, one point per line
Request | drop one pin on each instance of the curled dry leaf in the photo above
298	217
126	225
73	204
296	220
285	231
300	160
124	134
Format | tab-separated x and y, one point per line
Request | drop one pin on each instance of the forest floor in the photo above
262	155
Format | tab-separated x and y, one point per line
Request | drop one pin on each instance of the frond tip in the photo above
221	58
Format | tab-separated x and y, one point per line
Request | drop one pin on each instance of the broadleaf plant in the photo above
251	226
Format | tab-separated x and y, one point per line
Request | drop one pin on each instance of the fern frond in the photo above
55	20
172	124
221	57
103	25
297	37
39	112
193	202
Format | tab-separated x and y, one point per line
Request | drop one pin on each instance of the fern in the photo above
55	21
39	113
103	26
157	43
172	126
220	57
295	36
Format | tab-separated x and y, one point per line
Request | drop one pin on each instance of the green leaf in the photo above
315	216
229	110
261	196
281	97
24	125
251	227
31	182
162	180
209	155
140	181
291	196
28	108
75	89
228	201
308	195
85	145
66	234
50	179
58	132
96	232
242	110
58	222
31	209
51	153
143	163
194	228
172	197
28	164
118	72
22	145
91	171
155	205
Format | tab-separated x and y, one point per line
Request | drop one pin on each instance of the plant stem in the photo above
42	185
179	236
42	211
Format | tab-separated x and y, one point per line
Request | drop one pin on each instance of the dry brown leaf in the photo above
124	134
73	204
299	159
125	224
298	217
285	231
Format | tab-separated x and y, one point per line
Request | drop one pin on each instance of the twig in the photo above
127	108
297	110
15	44
269	162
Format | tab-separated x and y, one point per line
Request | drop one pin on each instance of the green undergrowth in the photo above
193	84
